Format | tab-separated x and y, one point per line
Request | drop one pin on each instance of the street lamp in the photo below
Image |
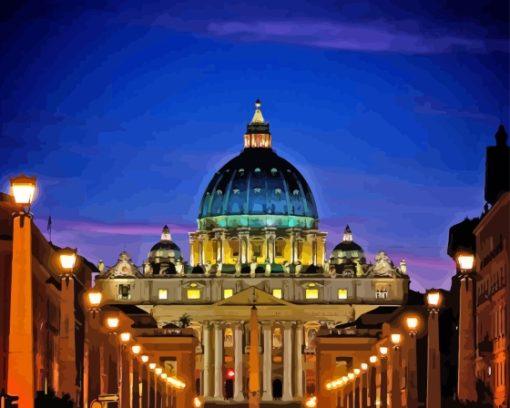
412	375
20	378
125	337
151	367
93	299
433	355
136	349
396	339
383	355
157	373
112	323
364	385
466	384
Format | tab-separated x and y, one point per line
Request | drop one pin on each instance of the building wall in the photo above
493	300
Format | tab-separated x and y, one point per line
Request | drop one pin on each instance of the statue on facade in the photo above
286	268
325	268
359	269
268	269
208	268
403	267
219	267
179	267
253	267
100	266
238	268
298	268
383	266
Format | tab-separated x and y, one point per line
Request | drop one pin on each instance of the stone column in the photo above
433	361
299	360
412	374
314	249
218	361
395	379
384	382
191	251
356	387
372	390
364	389
201	250
207	359
67	353
267	387
466	389
287	361
238	362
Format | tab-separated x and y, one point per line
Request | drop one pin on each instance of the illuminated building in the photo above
258	242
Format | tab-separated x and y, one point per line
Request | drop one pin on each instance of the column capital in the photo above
287	324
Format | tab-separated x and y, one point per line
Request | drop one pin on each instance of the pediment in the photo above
252	296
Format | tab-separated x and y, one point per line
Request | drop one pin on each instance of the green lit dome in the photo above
258	188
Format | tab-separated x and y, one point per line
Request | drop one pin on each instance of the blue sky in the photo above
124	112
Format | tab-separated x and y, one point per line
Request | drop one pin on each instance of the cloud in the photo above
120	229
365	37
426	105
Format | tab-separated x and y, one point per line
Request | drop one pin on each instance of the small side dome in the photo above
165	251
347	249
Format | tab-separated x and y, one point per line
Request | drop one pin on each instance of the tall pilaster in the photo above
67	353
412	373
218	361
267	390
433	361
466	369
395	379
287	361
207	359
299	359
238	361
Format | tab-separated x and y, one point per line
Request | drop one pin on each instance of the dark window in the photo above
124	292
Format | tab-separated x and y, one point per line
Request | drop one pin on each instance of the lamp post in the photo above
373	386
395	371
364	385
383	356
67	346
152	367
412	375
125	338
357	391
351	378
433	354
20	376
112	323
157	373
144	390
135	349
92	300
466	382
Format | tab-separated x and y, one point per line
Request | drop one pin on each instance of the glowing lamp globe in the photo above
125	337
466	262
136	349
357	371
67	258
311	402
351	376
433	298
158	370
364	366
373	359
412	323
112	322
23	189
197	402
396	338
144	358
383	351
164	376
152	366
231	373
94	298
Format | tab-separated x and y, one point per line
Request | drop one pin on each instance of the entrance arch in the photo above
229	389
277	389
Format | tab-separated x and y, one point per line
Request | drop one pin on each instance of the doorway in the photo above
277	389
229	389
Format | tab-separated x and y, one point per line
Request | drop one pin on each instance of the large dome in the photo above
258	188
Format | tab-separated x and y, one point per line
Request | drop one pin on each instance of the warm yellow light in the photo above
383	350
136	349
94	297
152	366
364	366
125	337
158	370
193	293
329	386
277	293
144	358
23	189
433	298
373	359
164	376
345	379
311	402
396	338
466	261
112	322
351	376
228	293
357	371
197	402
342	294
412	323
312	294
163	294
67	257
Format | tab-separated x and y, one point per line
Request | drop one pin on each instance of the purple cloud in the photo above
353	37
120	229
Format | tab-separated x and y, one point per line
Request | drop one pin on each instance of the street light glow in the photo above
357	371
158	371
396	338
433	298
364	366
112	322
466	261
383	351
373	359
152	366
94	297
412	323
351	376
67	259
144	358
23	189
125	337
136	348
164	376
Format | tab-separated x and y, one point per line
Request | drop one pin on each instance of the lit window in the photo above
193	293
163	294
312	293
342	294
228	293
277	293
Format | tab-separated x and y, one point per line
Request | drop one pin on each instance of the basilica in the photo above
258	243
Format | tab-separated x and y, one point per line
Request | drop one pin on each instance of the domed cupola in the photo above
257	188
164	255
347	250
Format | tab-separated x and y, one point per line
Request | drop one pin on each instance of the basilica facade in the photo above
258	243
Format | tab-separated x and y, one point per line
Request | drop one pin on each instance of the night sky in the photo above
124	111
